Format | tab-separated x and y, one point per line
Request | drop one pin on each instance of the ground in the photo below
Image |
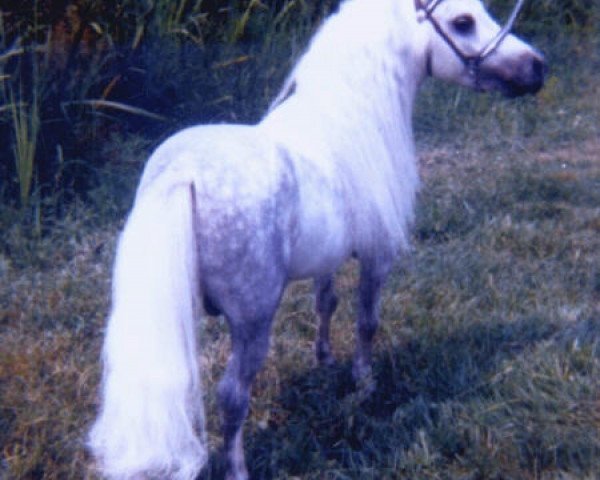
487	360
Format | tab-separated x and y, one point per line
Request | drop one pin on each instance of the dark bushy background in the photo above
100	73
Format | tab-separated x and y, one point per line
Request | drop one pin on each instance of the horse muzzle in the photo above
523	76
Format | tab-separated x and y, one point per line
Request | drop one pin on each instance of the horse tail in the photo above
152	418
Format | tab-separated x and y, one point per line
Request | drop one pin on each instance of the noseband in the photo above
471	62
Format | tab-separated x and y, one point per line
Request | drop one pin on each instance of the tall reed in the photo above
26	127
21	94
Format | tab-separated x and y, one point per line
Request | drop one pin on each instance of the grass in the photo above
488	356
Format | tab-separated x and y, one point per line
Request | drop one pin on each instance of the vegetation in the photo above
93	73
488	360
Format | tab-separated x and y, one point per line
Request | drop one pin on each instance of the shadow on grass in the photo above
322	427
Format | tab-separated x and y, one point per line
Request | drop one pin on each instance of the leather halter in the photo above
471	62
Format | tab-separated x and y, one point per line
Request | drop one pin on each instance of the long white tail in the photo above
152	419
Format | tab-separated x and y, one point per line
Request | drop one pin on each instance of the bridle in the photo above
471	62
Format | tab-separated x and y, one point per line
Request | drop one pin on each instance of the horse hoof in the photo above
365	383
363	378
366	386
326	360
324	356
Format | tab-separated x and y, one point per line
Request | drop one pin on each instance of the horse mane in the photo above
358	79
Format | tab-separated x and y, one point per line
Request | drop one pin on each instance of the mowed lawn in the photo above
488	357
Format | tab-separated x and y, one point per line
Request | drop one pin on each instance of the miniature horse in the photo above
226	215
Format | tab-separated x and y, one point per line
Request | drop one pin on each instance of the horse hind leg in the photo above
326	303
249	348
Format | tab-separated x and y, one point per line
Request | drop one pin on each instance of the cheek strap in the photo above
471	62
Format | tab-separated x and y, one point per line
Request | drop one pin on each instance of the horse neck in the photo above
365	62
350	102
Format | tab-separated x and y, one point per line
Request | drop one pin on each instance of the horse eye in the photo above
464	24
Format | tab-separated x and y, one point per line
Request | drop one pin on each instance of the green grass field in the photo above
488	357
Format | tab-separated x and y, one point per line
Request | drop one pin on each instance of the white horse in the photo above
225	216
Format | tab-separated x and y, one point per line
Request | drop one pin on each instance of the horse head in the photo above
466	45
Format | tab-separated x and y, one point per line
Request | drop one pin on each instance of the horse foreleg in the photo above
372	278
250	344
326	303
